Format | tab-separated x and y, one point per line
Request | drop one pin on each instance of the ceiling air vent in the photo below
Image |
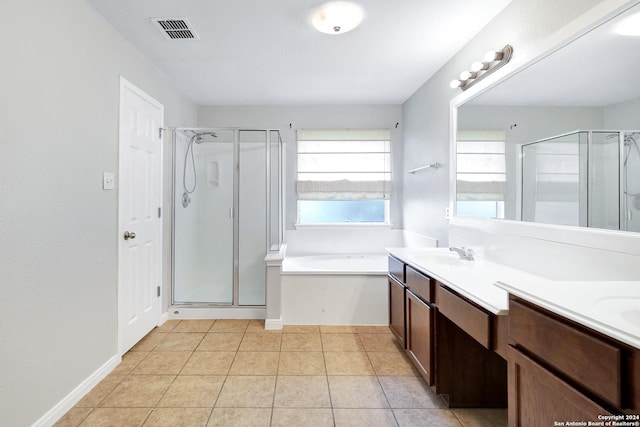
176	28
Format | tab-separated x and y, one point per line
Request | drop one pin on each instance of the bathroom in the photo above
60	235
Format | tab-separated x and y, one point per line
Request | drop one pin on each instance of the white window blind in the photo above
344	164
481	165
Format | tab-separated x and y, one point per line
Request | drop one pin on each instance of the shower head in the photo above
199	136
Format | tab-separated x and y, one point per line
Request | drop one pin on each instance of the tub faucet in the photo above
465	253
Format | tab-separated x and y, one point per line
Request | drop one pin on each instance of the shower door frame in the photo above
236	212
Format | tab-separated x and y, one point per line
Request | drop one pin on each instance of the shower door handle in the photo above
128	235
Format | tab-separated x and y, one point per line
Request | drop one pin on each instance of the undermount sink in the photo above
624	308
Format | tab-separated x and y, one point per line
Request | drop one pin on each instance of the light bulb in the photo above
455	84
479	66
492	55
466	75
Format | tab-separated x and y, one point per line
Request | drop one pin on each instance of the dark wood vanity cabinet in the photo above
420	314
397	291
470	370
560	370
410	314
457	347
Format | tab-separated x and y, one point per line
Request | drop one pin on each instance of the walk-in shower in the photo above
227	215
587	178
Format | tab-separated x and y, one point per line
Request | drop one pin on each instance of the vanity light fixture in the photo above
337	17
492	61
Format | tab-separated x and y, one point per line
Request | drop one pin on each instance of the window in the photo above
344	176
481	173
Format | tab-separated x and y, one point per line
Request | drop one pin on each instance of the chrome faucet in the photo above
465	253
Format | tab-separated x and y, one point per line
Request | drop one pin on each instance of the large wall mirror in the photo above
559	141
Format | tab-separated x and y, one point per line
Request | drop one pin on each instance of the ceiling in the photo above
265	52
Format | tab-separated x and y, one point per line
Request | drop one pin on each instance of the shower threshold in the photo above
216	312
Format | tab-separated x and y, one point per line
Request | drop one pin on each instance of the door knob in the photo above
128	235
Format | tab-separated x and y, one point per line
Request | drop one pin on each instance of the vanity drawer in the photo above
473	320
591	362
396	268
420	284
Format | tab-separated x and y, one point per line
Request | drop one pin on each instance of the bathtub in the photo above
339	289
340	264
336	276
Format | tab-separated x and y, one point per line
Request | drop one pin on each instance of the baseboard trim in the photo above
68	402
163	318
273	324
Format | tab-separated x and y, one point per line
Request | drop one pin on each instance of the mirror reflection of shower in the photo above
586	178
197	138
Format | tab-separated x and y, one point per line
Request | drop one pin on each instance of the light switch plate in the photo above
108	181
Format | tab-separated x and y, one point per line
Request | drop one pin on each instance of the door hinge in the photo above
159	212
160	132
158	291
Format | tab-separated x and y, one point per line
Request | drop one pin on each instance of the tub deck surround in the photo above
343	264
609	307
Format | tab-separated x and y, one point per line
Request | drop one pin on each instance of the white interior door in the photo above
139	224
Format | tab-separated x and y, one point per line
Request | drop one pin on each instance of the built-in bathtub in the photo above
343	264
339	276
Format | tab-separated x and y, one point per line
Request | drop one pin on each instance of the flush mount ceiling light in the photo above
337	17
630	26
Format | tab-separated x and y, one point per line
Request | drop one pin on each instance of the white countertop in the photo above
609	307
472	279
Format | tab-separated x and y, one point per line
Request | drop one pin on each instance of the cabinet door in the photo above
419	332
396	310
539	398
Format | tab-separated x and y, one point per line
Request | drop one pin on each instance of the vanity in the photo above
525	342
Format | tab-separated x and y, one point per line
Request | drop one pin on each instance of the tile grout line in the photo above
374	344
275	383
155	406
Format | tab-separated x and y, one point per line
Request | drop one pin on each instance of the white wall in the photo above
522	24
623	115
314	117
58	228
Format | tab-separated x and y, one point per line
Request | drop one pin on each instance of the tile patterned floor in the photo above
234	373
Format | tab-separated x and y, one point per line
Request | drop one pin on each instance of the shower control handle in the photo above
129	235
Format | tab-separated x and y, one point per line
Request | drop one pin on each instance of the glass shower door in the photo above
203	219
252	219
554	180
